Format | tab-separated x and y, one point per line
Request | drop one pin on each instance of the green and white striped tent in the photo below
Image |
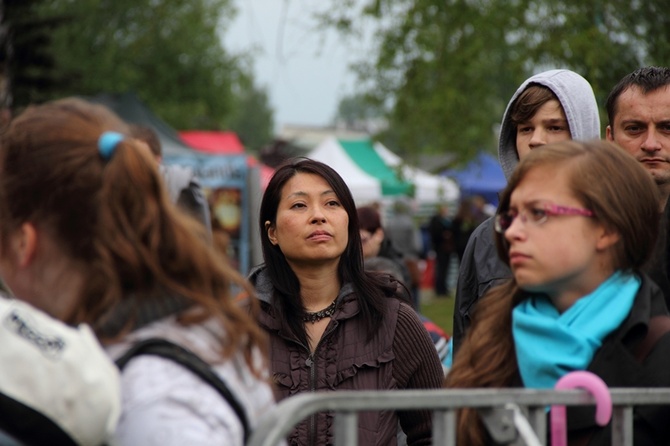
374	174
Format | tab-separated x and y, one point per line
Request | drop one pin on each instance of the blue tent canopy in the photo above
481	176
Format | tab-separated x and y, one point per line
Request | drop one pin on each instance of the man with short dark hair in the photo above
638	109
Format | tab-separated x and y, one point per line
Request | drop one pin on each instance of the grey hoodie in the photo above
579	104
480	268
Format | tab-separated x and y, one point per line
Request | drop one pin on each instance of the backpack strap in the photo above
658	326
21	424
191	361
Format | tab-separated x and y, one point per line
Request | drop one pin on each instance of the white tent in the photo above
364	187
428	188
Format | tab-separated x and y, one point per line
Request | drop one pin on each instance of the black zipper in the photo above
309	362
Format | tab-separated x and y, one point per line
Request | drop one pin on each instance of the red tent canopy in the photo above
266	171
213	142
223	143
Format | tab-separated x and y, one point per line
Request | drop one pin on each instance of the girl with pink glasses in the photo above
575	225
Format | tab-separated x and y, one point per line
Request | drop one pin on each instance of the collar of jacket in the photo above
347	305
615	361
648	303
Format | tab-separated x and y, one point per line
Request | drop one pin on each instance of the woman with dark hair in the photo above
332	325
576	224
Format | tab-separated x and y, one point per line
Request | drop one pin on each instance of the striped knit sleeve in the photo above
416	366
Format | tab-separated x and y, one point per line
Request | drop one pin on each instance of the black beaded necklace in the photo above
321	314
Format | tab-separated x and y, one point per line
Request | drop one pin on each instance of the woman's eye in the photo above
537	213
297	205
333	203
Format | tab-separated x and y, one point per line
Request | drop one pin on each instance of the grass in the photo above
440	311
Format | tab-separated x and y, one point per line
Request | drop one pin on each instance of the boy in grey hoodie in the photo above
563	107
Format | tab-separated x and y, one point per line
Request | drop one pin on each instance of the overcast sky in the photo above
304	69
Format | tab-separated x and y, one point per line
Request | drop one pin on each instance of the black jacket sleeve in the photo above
480	270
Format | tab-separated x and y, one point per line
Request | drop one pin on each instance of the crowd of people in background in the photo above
105	247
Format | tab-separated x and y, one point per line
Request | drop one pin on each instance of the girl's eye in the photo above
333	203
537	214
507	218
524	129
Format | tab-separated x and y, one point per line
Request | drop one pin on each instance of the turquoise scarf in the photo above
549	344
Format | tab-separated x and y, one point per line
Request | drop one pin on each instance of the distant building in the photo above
308	137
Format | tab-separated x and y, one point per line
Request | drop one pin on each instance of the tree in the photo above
357	112
446	68
251	117
26	63
169	52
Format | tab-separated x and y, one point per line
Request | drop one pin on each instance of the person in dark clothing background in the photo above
405	236
441	229
470	214
377	244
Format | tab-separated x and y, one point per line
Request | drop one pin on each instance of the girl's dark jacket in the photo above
619	364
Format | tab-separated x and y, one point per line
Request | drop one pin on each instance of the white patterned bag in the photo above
57	385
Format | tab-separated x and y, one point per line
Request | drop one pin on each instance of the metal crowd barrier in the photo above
513	416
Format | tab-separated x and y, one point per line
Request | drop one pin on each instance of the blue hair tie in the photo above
107	144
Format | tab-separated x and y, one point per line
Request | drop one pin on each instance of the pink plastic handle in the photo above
596	387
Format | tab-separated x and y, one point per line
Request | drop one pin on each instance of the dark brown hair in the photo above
529	102
149	136
369	218
611	183
370	288
648	79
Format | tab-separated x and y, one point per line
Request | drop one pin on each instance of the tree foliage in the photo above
251	117
445	69
169	52
359	113
26	64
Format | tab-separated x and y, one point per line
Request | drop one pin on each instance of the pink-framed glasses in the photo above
537	214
